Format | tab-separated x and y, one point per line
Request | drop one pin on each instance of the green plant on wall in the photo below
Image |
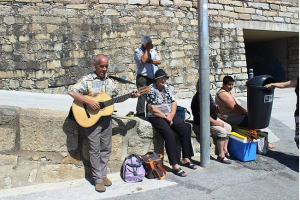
163	42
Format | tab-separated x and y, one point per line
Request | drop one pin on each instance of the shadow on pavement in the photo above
290	161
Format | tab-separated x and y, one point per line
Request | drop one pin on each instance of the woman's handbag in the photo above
182	113
153	166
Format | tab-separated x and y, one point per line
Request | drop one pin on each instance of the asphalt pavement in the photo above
273	176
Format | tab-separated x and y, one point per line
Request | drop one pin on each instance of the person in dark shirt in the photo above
292	83
218	128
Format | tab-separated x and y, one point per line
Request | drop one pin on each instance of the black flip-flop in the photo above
222	160
190	165
179	172
228	155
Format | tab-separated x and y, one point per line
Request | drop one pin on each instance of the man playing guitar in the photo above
99	134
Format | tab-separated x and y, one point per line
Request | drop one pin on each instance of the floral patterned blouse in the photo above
161	99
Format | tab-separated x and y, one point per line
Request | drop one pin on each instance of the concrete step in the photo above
82	189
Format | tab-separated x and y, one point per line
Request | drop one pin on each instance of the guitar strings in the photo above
116	100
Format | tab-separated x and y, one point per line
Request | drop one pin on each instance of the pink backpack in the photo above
133	169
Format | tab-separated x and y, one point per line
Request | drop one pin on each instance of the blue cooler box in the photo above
242	149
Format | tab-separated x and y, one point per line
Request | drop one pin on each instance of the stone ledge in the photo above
53	148
269	26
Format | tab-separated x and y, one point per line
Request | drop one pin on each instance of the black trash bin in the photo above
259	101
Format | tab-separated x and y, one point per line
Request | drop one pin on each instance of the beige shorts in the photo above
220	132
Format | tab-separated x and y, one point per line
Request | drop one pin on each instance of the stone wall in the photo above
46	45
40	146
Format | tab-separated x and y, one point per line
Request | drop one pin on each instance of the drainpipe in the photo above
203	41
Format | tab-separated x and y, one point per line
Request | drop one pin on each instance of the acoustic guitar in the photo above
86	117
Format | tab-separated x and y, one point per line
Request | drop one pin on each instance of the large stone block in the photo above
113	1
5	9
9	20
8	115
293	9
166	2
117	148
77	6
295	21
7	173
278	19
47	20
29	1
244	10
9	125
136	146
264	6
183	3
109	12
258	17
240	64
42	84
154	2
14	84
144	129
42	130
270	13
7	138
62	172
215	6
53	64
142	2
28	10
27	84
241	77
11	160
177	54
7	48
244	16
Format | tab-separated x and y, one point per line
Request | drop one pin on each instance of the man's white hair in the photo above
145	40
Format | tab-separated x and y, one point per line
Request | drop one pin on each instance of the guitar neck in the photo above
117	99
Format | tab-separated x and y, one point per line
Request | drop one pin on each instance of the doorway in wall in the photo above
267	52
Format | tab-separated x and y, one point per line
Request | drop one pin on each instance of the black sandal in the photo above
222	160
179	172
190	165
227	155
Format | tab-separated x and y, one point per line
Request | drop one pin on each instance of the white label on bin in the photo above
268	98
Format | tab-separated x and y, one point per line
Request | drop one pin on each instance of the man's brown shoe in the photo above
99	187
106	181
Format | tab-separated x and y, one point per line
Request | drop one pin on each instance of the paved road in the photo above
274	176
